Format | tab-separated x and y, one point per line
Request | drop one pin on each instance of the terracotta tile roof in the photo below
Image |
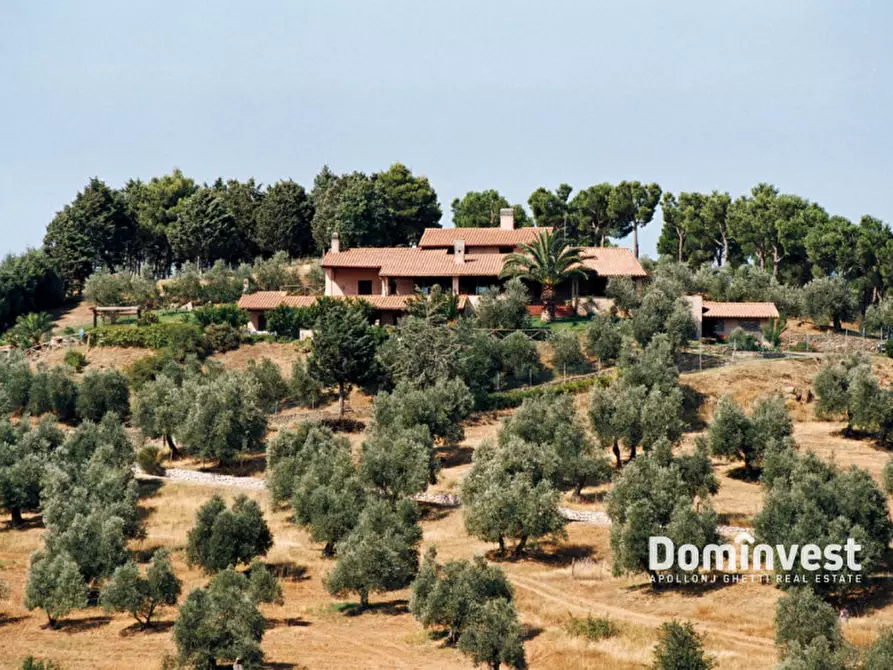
612	262
434	264
739	310
264	300
479	237
373	257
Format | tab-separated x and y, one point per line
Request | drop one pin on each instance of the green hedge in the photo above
513	398
180	338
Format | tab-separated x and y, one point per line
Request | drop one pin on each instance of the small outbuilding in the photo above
719	319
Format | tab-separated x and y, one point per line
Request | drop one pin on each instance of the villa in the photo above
464	261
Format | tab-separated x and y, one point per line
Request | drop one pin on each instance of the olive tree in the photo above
603	339
552	422
223	417
650	498
809	501
801	616
520	357
397	462
494	636
141	596
24	455
102	392
732	433
54	585
506	309
509	493
223	537
328	495
159	410
445	596
380	554
223	622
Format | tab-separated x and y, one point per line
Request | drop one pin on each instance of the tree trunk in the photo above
547	295
340	400
329	549
519	548
364	599
632	452
578	489
636	240
16	513
501	545
175	453
837	325
725	250
616	450
681	244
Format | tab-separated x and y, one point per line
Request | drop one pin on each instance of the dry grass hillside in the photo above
313	630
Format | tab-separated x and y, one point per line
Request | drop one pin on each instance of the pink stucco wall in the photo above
344	281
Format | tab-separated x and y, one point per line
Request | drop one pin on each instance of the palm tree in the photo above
548	261
30	329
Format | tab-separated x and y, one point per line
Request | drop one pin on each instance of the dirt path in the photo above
440	499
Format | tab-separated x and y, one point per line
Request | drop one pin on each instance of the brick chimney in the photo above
336	243
507	219
459	252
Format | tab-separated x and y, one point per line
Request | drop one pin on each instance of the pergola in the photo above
113	313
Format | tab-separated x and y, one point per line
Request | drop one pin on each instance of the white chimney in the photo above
459	252
336	243
507	219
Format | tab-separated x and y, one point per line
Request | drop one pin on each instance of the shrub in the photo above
741	340
75	360
343	424
15	380
52	390
30	329
505	310
288	322
513	398
603	338
568	353
222	537
592	628
147	319
149	459
272	387
519	355
229	314
303	388
680	647
182	339
103	392
222	337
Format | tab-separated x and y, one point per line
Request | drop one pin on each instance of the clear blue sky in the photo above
475	95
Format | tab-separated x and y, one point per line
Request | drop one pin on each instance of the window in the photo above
750	326
364	287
